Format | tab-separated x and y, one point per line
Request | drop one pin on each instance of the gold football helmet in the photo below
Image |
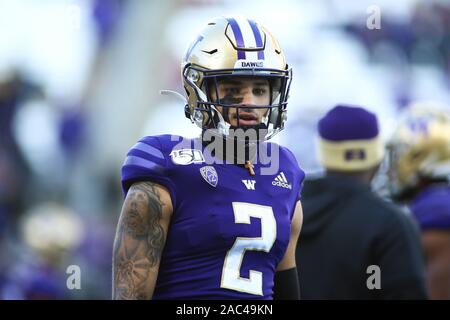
419	150
227	48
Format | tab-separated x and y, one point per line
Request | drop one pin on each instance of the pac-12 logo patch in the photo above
210	175
187	156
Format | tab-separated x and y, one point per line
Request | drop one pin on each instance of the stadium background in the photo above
80	81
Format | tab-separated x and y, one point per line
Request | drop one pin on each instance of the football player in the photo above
419	176
217	217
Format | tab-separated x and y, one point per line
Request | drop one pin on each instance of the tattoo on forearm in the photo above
139	242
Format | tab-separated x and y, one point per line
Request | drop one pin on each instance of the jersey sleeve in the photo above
146	161
289	159
300	184
299	173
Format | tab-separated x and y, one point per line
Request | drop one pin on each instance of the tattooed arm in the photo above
140	239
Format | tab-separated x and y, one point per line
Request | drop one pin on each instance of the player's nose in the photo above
249	98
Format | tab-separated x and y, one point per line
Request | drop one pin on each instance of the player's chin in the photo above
248	128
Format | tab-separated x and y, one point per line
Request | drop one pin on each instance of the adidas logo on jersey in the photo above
281	181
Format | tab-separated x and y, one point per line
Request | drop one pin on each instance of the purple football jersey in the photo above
431	207
229	230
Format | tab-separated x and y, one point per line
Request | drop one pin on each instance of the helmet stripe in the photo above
143	163
238	37
148	149
258	38
189	51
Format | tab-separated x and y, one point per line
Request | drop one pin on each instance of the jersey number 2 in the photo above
231	278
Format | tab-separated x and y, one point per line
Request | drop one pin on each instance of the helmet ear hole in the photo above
187	112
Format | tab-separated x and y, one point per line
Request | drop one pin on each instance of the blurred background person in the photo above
50	54
419	177
347	228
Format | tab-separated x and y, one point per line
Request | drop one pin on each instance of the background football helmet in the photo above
419	151
234	47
